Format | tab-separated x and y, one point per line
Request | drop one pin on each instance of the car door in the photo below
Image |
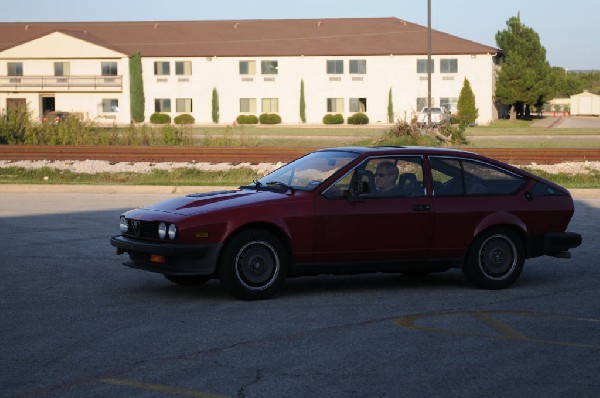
371	226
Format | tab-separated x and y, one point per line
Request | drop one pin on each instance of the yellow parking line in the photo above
501	327
185	392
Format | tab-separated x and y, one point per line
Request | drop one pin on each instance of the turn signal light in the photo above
155	258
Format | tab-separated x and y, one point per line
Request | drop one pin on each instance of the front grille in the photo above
142	229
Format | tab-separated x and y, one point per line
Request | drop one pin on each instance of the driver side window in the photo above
398	176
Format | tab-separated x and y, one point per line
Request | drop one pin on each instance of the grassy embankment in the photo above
501	134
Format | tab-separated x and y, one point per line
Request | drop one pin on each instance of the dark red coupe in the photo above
411	210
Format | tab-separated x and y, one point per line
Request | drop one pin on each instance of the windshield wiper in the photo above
281	186
257	185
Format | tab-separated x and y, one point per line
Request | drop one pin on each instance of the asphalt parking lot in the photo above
76	323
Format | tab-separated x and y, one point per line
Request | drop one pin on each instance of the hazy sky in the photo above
569	30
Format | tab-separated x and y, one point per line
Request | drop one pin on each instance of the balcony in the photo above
61	83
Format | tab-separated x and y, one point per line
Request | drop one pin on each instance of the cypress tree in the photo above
302	103
215	106
390	109
467	112
136	88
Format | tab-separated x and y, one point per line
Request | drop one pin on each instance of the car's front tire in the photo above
495	259
253	265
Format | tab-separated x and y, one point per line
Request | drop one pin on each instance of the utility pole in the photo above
428	63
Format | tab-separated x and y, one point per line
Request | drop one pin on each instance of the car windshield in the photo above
308	172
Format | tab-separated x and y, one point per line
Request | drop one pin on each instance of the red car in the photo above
410	210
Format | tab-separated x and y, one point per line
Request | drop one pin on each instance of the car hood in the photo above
215	201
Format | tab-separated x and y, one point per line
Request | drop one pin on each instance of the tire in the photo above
495	259
188	280
253	265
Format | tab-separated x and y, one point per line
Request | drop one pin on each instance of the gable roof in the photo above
247	38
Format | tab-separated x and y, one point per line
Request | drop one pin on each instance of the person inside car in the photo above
386	177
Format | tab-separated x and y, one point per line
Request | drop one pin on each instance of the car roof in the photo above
399	150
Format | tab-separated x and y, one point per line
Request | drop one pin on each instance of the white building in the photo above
256	66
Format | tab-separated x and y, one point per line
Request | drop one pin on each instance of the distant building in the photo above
585	104
256	66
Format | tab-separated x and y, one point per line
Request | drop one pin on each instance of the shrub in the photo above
184	118
269	118
246	119
358	118
160	118
333	118
172	135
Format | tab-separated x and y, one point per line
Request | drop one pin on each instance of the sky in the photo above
569	30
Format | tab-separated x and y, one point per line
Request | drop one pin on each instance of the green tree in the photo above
467	112
302	102
136	88
390	109
215	106
524	78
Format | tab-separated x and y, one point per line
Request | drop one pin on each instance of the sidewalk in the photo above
178	190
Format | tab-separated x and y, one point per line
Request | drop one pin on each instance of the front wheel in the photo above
495	259
253	265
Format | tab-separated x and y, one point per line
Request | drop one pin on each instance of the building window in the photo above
422	66
110	105
335	67
422	103
335	105
450	103
268	67
358	105
183	105
247	67
248	105
183	68
62	69
449	65
270	105
162	68
15	69
109	68
358	66
162	105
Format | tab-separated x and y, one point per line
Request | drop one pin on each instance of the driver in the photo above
385	178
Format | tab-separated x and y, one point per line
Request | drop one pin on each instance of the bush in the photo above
269	118
358	118
333	119
160	118
246	119
184	118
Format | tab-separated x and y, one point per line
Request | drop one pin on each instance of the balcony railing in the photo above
75	83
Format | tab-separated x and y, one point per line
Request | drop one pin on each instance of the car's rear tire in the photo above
495	259
188	280
253	265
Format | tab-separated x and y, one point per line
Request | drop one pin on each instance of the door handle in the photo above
421	207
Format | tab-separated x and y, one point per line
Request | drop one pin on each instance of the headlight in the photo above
162	230
172	231
123	225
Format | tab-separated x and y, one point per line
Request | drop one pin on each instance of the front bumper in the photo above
179	259
556	244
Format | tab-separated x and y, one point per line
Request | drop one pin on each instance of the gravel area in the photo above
100	166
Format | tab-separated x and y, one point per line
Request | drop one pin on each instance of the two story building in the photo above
255	66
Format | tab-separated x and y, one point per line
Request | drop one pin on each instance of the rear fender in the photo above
501	219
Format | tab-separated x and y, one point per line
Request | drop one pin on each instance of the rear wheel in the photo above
188	280
253	265
495	259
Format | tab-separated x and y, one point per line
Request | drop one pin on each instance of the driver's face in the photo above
384	180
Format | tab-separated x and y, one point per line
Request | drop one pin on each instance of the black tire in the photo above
188	280
495	259
253	265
